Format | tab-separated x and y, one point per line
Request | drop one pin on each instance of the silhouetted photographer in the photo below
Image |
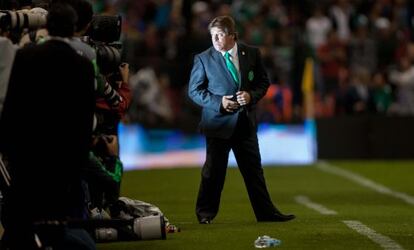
46	149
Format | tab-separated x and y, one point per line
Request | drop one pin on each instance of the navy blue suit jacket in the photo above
211	80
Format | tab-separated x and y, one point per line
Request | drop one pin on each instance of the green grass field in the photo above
175	190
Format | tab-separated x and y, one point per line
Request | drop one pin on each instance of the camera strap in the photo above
4	172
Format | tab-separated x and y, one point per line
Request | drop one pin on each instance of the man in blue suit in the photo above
227	80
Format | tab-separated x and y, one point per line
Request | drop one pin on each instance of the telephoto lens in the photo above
143	228
108	58
150	227
19	20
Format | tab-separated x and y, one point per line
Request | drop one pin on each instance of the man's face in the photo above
221	41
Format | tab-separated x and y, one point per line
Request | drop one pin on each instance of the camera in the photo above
103	34
19	20
106	29
104	230
141	228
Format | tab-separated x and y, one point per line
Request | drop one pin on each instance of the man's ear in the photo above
234	35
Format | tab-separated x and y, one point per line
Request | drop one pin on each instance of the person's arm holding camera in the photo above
118	95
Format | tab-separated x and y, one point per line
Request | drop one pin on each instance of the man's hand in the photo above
228	104
124	70
107	143
112	145
243	98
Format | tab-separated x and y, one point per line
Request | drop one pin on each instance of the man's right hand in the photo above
124	70
228	104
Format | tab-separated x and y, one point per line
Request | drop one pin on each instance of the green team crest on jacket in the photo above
251	75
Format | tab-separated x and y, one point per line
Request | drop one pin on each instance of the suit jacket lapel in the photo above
243	63
222	67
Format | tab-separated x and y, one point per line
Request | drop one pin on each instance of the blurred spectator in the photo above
342	13
382	92
333	57
362	48
317	28
276	105
341	93
282	54
151	105
403	78
387	42
358	98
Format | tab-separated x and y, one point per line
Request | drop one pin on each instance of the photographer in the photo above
103	174
46	180
105	170
116	96
8	51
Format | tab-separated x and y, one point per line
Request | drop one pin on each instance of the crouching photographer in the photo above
45	182
96	38
103	35
104	173
111	106
92	39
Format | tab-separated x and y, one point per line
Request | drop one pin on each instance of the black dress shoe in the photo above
205	221
278	218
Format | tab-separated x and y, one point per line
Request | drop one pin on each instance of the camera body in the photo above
103	35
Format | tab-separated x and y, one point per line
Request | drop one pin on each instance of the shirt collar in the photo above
232	51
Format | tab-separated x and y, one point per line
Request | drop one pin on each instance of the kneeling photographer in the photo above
111	107
92	39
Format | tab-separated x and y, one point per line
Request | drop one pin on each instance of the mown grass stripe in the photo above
329	168
382	240
304	200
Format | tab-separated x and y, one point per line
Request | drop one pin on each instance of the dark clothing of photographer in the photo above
8	51
46	177
46	148
104	172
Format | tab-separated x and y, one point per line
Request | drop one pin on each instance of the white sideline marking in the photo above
382	240
315	206
364	182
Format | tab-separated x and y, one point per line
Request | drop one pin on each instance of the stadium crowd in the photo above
362	53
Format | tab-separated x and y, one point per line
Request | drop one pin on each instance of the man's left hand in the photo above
243	98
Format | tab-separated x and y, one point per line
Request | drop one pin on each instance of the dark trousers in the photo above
245	147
